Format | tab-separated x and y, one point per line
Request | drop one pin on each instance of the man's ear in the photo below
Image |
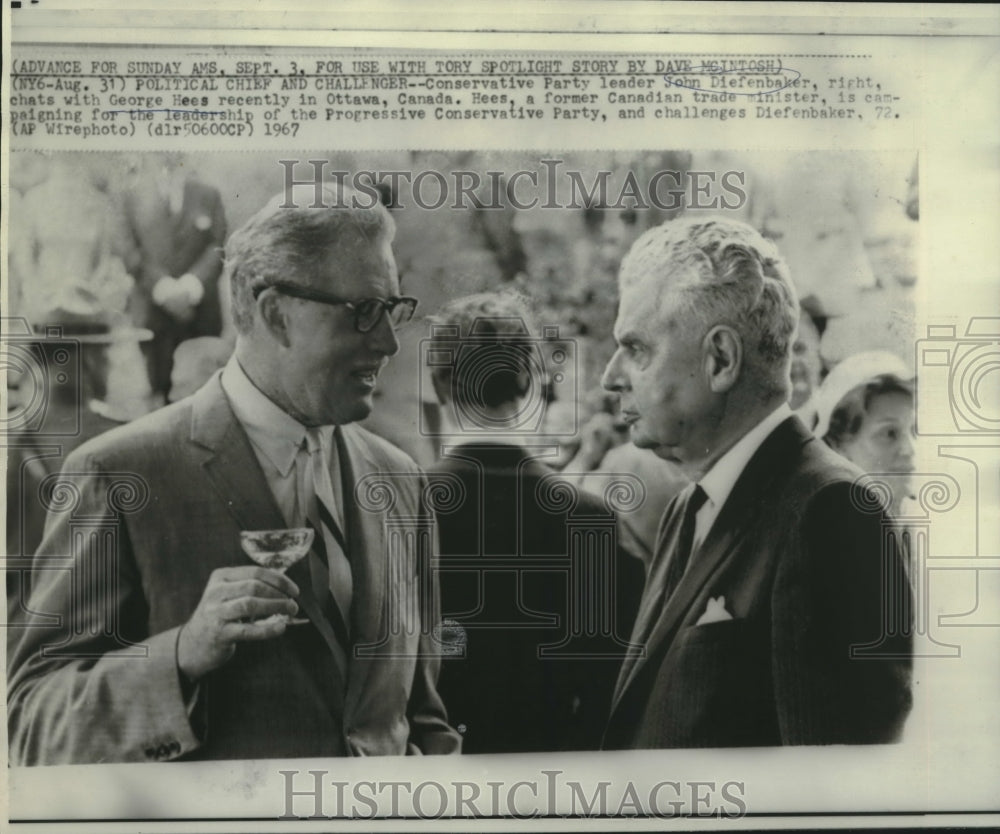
272	313
723	350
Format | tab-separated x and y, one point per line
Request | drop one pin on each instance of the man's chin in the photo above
640	440
351	412
667	453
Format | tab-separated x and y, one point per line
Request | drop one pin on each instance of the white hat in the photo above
850	373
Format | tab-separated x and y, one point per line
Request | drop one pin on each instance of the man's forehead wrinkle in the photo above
638	316
338	267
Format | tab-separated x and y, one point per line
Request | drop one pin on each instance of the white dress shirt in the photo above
719	481
276	438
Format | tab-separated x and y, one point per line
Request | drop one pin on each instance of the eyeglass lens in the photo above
369	312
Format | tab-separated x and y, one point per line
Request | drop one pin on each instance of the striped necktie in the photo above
331	570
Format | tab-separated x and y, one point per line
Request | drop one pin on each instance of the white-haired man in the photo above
773	613
166	645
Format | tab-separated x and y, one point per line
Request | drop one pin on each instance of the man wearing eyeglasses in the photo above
169	643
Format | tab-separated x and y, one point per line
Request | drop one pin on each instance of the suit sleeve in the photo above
208	265
87	683
842	632
121	235
430	732
144	269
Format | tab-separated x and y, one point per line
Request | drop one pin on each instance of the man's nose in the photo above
382	337
613	379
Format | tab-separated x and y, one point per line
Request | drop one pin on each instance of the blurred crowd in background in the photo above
124	253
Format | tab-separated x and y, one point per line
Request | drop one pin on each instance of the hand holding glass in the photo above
278	550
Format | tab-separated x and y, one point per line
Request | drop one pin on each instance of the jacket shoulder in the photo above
381	452
820	467
824	485
161	431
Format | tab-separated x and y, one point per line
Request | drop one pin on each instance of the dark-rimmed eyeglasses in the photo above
367	311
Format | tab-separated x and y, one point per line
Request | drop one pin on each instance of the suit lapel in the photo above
230	462
365	536
774	455
649	610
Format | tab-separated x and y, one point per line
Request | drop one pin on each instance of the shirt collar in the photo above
272	430
719	481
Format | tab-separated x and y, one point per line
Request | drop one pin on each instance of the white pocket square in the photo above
715	612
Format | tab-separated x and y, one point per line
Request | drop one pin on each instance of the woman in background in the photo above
865	411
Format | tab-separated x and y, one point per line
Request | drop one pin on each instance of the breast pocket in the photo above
722	631
712	656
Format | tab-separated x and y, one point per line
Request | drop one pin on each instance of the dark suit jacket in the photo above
506	578
158	505
173	244
806	575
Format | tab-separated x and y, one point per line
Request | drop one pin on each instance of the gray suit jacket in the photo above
146	512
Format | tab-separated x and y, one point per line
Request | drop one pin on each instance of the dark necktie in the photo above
685	539
663	581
